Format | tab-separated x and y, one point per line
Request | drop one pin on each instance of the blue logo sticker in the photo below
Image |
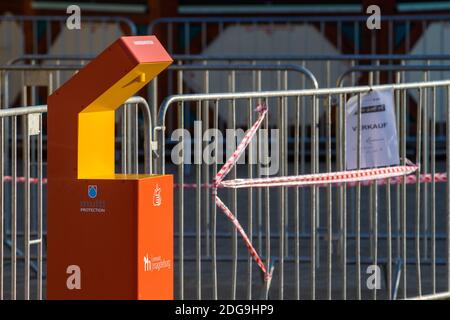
92	191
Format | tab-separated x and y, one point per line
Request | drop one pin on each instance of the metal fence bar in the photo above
358	207
402	222
425	161
329	201
205	170
419	127
233	193
292	57
259	192
26	208
214	213
14	210
297	206
389	240
399	115
2	207
288	93
180	195
40	213
267	211
250	205
198	208
248	59
433	191
447	194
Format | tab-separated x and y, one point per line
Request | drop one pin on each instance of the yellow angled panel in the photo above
96	122
95	144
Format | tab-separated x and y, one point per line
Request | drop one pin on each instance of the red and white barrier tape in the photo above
22	179
353	177
439	177
247	241
262	110
321	178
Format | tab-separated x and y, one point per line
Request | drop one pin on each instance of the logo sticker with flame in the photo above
157	196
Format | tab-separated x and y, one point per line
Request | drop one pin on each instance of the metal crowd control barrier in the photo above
238	77
201	28
30	119
284	74
23	190
306	235
392	240
202	110
400	74
326	68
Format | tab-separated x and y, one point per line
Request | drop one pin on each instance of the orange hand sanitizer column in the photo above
110	236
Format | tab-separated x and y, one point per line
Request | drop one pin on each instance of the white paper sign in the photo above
379	146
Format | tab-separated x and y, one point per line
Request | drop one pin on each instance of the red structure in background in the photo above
169	8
